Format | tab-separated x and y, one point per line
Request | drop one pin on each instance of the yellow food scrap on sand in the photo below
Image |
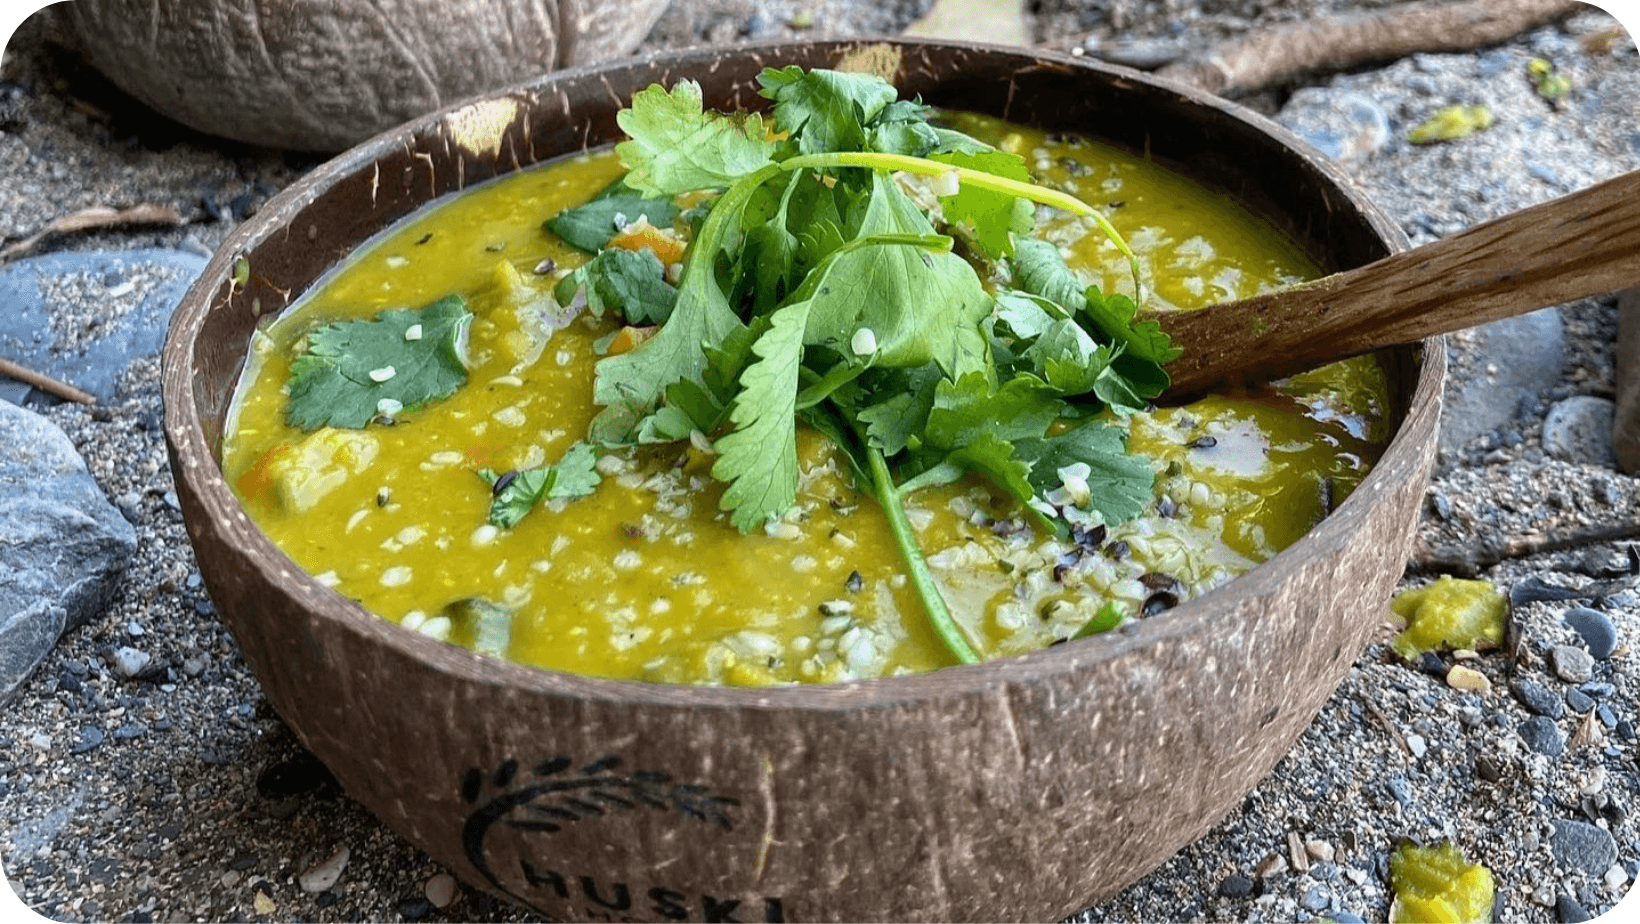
1436	885
1452	123
1450	613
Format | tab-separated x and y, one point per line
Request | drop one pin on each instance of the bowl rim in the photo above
197	462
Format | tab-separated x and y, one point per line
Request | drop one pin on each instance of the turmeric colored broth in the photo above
646	579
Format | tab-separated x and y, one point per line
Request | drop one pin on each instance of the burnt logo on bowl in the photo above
551	795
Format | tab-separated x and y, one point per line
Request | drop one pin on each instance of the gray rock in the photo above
1537	698
1236	886
1542	736
63	546
1583	847
1579	429
120	303
1525	356
1340	124
1570	663
1595	628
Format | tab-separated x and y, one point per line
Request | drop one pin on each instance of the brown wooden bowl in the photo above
1020	788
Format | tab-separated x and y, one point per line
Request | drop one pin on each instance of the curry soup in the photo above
645	578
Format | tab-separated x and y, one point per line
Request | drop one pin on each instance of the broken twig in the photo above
45	383
1270	57
97	216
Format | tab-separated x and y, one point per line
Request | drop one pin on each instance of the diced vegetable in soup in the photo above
429	431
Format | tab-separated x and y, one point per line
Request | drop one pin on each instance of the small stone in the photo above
1580	846
90	737
129	662
1346	917
1537	698
1319	850
1578	700
1269	866
1295	852
1579	429
262	902
1236	886
1542	736
1594	628
324	874
1341	124
1461	677
441	890
40	741
1568	911
1315	899
1616	877
1430	663
1573	665
1417	745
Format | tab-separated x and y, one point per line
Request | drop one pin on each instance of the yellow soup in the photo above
646	578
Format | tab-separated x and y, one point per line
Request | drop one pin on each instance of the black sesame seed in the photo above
855	582
502	483
425	238
1203	442
1158	602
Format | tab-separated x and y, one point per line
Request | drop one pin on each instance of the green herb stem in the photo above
892	501
922	165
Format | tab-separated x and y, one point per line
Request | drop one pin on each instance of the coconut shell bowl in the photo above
1020	788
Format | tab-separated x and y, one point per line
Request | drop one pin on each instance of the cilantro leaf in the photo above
589	227
677	147
631	283
993	215
1120	484
403	358
1040	269
629	385
913	300
759	459
825	110
574	475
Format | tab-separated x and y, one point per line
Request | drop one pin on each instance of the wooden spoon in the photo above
1586	243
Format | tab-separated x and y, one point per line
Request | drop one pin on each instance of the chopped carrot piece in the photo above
662	242
628	339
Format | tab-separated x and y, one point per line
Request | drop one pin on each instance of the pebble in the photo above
90	737
324	874
1542	736
1525	351
1579	429
1417	745
1583	847
1236	886
1571	664
441	890
1537	698
1568	911
1578	700
1594	628
129	662
1461	677
1341	124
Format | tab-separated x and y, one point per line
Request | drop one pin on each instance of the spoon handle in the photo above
1582	244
